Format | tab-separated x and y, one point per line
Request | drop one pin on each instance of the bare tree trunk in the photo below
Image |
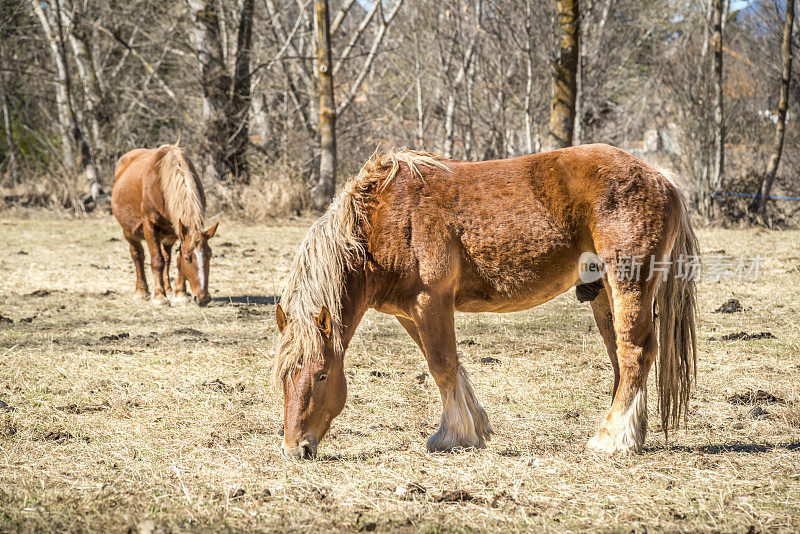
718	169
88	166
418	87
322	192
13	163
783	105
707	28
90	82
577	134
469	135
215	82
529	83
355	37
565	66
451	100
69	126
240	102
65	124
90	85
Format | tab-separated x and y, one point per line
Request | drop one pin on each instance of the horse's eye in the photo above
322	376
188	258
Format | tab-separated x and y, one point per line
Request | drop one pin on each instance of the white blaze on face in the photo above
201	271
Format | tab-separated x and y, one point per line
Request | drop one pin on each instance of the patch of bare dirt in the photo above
758	396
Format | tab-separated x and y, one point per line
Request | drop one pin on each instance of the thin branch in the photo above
170	93
367	66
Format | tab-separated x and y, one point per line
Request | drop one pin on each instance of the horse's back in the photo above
566	197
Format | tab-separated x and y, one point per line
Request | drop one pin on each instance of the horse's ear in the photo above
181	230
323	321
211	231
280	318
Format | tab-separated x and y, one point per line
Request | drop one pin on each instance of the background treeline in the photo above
694	85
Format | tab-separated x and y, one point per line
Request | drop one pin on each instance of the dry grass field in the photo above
124	417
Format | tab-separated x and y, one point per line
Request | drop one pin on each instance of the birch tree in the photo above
13	158
72	134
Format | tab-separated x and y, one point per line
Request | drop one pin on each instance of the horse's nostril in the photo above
306	450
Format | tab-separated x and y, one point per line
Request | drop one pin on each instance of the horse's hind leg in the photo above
625	426
464	422
137	253
604	317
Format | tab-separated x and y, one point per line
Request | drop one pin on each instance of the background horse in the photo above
158	197
419	237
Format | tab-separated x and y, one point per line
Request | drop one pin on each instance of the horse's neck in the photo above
355	302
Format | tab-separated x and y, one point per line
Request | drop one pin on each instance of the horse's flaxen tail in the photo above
677	339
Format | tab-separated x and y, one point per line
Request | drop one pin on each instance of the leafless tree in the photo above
719	14
322	192
565	68
13	163
783	105
226	96
239	81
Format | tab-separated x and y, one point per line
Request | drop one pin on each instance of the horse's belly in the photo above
518	284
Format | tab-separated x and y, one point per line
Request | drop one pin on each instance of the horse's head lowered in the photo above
194	259
314	389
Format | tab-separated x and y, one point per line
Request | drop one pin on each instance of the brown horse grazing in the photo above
158	197
420	237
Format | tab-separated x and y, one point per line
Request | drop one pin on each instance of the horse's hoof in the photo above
179	298
604	443
160	301
445	441
142	295
600	443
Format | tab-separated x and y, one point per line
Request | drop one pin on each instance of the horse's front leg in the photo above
166	252
464	422
156	265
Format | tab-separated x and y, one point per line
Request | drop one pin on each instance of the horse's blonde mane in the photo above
183	198
334	246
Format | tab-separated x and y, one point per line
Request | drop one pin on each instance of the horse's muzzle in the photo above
305	450
203	299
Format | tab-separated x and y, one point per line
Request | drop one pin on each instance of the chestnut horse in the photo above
158	197
420	237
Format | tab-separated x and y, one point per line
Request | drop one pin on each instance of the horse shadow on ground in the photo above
347	457
251	300
722	448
